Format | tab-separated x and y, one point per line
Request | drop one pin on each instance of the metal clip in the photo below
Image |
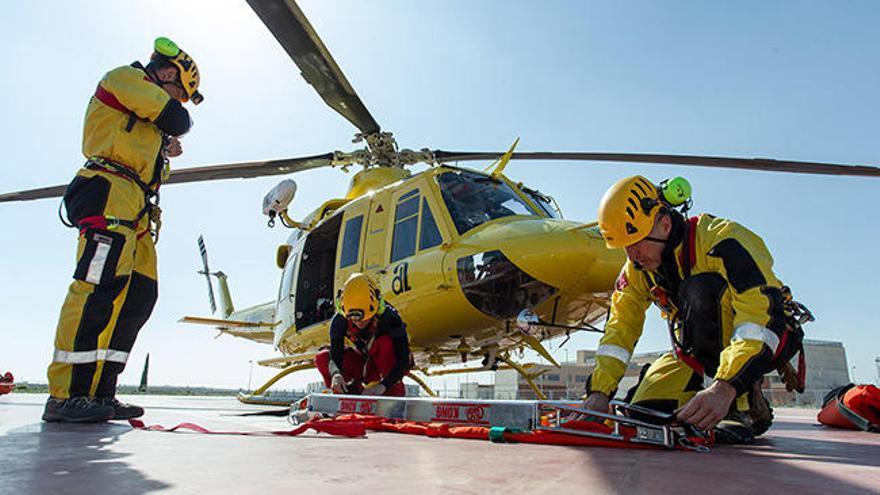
156	222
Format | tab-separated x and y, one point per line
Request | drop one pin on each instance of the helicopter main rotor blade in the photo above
295	34
249	170
766	164
43	192
246	170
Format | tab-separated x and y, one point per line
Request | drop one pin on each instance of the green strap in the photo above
496	434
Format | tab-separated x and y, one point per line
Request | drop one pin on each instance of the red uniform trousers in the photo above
379	364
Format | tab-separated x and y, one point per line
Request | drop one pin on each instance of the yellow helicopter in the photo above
478	265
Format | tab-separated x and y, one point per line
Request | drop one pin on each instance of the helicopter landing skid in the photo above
258	397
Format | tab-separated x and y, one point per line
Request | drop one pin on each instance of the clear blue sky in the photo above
786	80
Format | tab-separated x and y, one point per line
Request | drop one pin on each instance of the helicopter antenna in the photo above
207	273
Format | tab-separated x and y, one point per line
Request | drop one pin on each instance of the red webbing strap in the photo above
687	259
110	100
336	427
689	360
782	342
102	223
94	222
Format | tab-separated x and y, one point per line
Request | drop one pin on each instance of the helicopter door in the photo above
376	233
415	259
314	279
284	310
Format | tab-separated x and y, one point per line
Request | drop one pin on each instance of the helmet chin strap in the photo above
151	73
656	239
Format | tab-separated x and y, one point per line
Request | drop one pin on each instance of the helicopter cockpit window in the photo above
474	199
429	235
408	230
351	241
543	202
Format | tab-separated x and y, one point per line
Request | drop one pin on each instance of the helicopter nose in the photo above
560	253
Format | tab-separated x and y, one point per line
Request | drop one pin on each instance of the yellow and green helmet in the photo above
189	71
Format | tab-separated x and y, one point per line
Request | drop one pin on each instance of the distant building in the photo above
877	362
315	387
474	390
567	382
826	369
319	387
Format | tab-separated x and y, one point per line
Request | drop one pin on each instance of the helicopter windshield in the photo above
474	199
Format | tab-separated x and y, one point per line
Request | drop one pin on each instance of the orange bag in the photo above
853	407
7	383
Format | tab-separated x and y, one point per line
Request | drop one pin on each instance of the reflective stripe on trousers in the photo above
82	357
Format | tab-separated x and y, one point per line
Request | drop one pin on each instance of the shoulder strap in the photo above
688	256
111	101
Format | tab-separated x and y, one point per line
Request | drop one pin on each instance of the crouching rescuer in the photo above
378	355
131	129
729	317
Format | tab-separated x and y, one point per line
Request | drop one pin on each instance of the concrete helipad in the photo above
797	457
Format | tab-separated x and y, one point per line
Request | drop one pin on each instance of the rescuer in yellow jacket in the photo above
713	281
131	129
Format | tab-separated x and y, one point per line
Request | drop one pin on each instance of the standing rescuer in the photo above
131	129
380	356
729	317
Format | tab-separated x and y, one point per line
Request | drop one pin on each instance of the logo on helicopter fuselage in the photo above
400	283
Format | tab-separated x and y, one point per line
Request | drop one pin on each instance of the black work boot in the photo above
736	428
76	410
121	409
760	411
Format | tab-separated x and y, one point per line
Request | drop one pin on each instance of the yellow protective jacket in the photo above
130	129
749	307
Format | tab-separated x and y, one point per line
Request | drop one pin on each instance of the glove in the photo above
596	401
375	388
337	383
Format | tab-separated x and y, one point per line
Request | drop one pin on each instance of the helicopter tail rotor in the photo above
207	273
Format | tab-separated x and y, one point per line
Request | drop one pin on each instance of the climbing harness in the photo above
790	343
151	203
